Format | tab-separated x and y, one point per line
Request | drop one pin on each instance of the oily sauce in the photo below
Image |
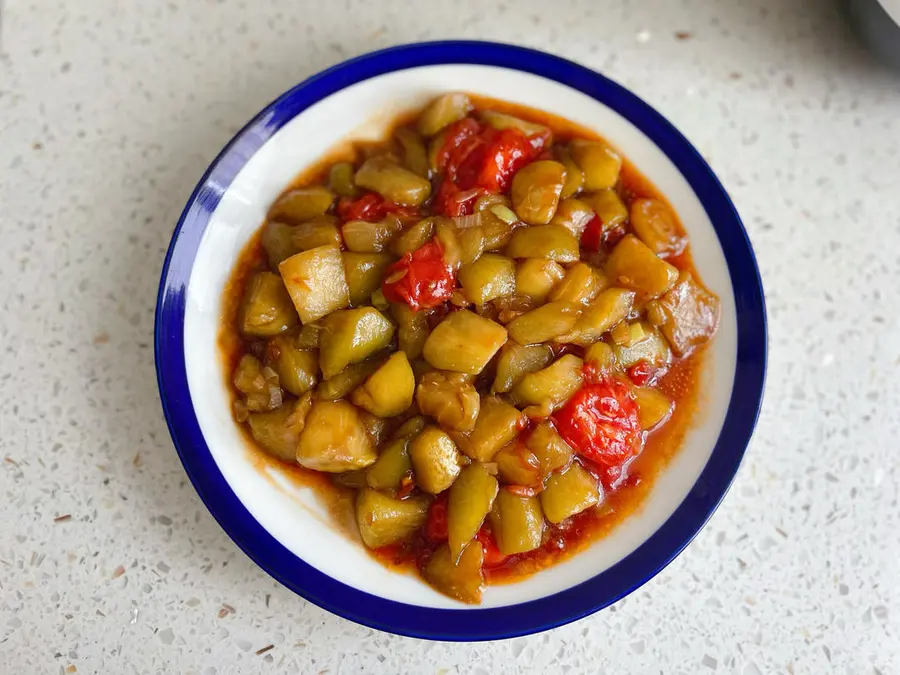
680	383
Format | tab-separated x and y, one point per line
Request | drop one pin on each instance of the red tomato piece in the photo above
436	525
453	202
459	140
371	207
592	236
492	555
601	422
421	279
506	151
643	373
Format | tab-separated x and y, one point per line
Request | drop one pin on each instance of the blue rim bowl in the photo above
464	624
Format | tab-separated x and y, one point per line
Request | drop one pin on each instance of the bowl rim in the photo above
475	624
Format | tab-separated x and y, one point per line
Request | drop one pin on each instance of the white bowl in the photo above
284	529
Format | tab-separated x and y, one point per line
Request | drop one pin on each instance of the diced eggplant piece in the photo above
415	237
552	242
443	112
536	277
499	120
652	348
340	179
691	315
383	520
334	439
378	428
350	336
498	423
608	207
608	309
632	265
392	466
316	282
544	323
320	231
517	523
347	380
412	329
656	225
599	162
278	432
435	460
518	465
389	390
581	285
364	273
516	361
654	407
551	451
415	156
535	192
449	398
569	492
393	182
491	276
267	308
278	242
602	356
550	388
297	369
307	337
361	236
463	342
258	383
302	204
471	498
463	580
411	427
498	232
574	174
574	215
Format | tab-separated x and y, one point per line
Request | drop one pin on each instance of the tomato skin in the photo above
436	525
370	207
453	202
492	555
426	280
506	151
601	422
643	373
474	156
460	139
595	237
592	236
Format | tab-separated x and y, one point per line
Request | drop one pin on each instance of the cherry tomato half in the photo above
601	422
421	279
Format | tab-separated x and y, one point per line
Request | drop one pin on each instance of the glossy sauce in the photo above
680	383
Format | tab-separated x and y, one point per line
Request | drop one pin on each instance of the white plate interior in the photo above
293	515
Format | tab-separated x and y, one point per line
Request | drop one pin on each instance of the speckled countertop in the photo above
110	111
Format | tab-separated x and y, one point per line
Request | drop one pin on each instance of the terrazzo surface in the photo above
109	113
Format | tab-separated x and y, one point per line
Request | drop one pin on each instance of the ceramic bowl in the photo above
283	528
